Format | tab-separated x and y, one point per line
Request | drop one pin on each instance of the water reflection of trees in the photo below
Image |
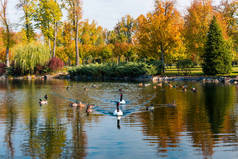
205	115
57	130
9	114
45	128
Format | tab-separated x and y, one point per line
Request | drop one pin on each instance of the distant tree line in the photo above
162	34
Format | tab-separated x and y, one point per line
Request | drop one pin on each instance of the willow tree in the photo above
28	57
159	32
75	14
7	35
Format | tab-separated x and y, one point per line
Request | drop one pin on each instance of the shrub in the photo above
185	66
55	64
28	57
130	69
2	68
157	64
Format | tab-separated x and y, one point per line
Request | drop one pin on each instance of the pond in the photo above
203	124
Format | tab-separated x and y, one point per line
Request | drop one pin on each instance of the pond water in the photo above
201	125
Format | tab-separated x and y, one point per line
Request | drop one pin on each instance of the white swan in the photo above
118	112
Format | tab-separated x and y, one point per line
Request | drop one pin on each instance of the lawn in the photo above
196	71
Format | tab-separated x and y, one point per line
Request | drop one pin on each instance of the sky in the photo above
105	12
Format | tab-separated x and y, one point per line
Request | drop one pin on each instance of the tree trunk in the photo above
49	44
118	60
162	57
7	47
76	43
55	38
7	57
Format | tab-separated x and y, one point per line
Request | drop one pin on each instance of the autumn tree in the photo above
66	50
160	31
217	55
47	16
124	29
229	11
28	8
196	27
91	37
75	14
6	32
122	37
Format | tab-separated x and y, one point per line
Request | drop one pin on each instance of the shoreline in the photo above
143	79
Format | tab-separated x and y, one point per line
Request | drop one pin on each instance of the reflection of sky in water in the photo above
202	124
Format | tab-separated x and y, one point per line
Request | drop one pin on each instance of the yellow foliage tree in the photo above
196	27
160	31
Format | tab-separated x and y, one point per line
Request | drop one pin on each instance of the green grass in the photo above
196	71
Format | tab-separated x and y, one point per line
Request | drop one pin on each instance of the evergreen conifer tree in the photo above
217	55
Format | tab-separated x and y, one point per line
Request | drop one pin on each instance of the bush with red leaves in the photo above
2	68
55	64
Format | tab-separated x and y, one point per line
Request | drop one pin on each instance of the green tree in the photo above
47	16
28	8
217	55
124	30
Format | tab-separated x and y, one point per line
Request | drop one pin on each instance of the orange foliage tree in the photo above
160	31
196	27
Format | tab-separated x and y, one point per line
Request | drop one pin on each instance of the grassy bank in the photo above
133	70
195	71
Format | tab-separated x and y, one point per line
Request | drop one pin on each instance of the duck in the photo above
140	84
94	86
122	101
170	85
118	112
154	87
147	84
42	102
78	104
89	108
172	104
159	84
184	86
150	108
185	89
194	89
85	89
